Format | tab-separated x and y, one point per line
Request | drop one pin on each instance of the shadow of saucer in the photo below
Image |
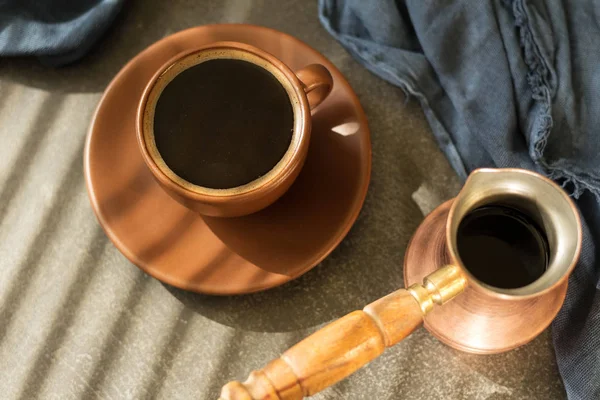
316	297
364	267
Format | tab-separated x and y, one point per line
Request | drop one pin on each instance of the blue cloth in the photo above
57	31
504	84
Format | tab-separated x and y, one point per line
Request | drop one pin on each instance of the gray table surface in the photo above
78	321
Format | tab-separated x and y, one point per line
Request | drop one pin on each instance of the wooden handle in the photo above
342	347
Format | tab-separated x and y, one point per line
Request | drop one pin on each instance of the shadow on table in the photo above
364	267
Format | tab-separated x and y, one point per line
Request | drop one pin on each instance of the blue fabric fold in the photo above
58	31
504	83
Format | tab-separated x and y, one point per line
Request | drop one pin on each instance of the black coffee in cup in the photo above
223	123
502	246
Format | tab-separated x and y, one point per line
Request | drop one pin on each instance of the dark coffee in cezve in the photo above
502	246
223	123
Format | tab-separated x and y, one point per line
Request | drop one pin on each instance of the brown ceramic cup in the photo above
306	89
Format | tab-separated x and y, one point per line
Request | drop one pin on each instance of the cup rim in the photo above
266	183
512	294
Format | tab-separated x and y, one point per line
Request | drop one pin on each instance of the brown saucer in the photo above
234	255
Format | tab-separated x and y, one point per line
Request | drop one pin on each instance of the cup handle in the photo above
342	347
316	82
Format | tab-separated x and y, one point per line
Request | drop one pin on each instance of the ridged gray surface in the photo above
78	321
